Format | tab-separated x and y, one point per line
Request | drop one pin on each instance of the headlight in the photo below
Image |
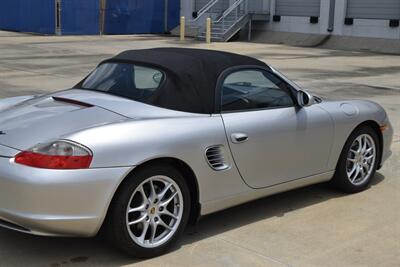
60	154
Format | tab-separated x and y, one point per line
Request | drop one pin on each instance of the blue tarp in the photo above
80	16
28	16
174	10
140	16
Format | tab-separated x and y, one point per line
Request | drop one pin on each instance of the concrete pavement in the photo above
313	226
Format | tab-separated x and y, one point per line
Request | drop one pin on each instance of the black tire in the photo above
340	179
116	227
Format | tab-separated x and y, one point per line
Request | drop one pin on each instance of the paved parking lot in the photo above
313	226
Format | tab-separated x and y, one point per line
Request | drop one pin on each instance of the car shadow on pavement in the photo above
262	209
26	250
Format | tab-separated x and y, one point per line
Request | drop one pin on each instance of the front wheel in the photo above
358	161
150	211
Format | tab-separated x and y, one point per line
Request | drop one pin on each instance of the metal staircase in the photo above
225	25
227	19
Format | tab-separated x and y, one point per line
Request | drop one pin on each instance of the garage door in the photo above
373	9
301	8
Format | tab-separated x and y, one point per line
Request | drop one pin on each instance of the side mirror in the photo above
305	99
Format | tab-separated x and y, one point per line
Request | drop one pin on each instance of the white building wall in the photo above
360	28
300	24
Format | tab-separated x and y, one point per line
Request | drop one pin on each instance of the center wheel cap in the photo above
153	210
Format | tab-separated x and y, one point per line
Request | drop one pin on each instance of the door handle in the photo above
239	138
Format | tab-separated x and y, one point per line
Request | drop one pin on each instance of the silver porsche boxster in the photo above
153	139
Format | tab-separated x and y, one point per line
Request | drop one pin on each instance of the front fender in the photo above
347	115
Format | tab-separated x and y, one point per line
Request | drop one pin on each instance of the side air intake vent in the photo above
216	158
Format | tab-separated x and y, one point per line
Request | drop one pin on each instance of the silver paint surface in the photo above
286	148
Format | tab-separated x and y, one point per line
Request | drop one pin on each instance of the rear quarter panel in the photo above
134	142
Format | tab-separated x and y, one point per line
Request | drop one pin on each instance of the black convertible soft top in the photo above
191	74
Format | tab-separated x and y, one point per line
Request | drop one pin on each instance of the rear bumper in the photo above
56	202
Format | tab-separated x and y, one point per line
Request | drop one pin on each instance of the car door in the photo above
272	139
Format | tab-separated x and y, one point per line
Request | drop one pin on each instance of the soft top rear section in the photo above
191	75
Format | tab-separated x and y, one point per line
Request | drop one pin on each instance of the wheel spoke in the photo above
139	220
168	213
144	196
351	160
369	150
353	151
163	224
145	229
165	190
359	141
369	157
366	166
153	229
364	147
362	171
153	194
166	202
140	208
356	175
350	174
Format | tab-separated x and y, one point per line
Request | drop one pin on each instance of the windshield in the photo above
127	80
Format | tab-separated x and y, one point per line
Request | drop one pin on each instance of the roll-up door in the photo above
301	8
373	9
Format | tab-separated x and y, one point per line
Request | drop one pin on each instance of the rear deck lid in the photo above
46	118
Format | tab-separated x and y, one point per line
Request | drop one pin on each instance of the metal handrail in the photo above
205	9
230	9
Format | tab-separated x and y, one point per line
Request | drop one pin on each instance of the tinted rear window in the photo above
127	80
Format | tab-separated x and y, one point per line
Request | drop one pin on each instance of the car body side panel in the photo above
224	203
138	141
283	144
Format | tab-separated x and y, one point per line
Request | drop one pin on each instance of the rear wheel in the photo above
150	211
358	161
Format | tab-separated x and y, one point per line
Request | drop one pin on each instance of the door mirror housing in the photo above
305	99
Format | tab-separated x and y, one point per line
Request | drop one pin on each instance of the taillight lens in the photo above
56	155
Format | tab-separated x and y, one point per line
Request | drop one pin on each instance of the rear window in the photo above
127	80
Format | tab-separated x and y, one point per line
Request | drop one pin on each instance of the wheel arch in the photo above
186	171
376	127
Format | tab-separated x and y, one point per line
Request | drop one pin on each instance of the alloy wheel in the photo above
361	159
154	212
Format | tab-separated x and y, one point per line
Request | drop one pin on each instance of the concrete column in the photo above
272	5
324	16
267	5
340	15
331	21
187	7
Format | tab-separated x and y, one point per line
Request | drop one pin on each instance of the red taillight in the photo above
56	155
53	162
